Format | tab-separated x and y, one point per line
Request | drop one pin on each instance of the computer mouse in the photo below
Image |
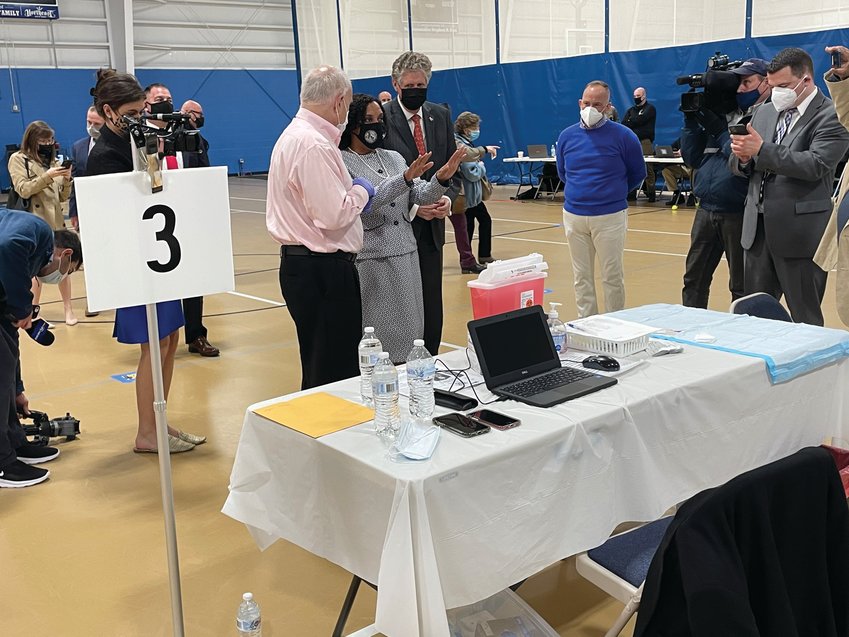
603	363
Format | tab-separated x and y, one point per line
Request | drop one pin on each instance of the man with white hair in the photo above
384	96
313	210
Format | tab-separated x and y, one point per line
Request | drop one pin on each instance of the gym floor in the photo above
84	553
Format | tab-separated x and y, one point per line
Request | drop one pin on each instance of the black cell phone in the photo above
494	419
738	129
461	425
67	163
835	60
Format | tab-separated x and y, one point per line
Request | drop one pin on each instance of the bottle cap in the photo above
418	343
369	330
248	597
552	313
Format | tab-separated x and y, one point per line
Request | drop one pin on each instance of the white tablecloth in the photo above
486	512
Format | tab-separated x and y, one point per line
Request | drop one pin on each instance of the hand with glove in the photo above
366	185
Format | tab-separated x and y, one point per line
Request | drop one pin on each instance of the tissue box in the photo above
507	295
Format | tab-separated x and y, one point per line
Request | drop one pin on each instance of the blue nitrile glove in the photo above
369	188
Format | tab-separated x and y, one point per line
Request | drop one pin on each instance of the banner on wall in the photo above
30	11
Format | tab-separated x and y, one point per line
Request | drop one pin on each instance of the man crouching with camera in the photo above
718	223
28	248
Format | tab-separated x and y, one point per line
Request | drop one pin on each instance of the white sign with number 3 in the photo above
141	248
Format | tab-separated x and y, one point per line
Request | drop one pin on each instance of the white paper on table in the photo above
574	359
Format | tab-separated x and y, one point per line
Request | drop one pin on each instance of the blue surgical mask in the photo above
746	100
473	135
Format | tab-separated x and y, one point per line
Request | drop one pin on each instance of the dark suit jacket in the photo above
199	159
439	139
797	200
79	153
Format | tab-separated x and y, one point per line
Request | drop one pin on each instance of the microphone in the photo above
39	332
167	117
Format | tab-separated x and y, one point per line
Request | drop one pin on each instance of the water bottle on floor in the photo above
368	349
420	373
387	415
557	329
248	621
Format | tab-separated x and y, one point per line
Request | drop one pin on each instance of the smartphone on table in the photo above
461	425
494	419
738	129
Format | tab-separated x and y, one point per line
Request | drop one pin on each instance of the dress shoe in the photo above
691	201
475	268
203	347
486	260
652	198
191	438
676	199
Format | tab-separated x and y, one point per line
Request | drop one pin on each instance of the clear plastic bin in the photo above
506	295
504	613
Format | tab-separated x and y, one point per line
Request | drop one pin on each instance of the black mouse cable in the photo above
457	373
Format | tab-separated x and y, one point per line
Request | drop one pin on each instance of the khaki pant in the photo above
603	235
671	175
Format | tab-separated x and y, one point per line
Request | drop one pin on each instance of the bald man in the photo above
384	96
640	118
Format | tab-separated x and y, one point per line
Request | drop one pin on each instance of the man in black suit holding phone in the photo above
415	126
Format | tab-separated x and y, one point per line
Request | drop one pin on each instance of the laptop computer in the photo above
664	151
518	360
537	151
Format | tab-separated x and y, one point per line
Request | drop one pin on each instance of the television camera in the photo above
43	427
176	134
719	86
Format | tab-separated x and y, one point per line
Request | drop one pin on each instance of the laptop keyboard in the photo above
540	384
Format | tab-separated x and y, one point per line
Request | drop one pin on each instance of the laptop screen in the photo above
514	342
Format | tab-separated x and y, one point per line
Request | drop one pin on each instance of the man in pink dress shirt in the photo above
313	210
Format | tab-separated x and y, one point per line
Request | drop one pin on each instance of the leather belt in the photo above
303	251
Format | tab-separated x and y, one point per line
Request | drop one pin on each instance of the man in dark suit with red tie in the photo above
415	126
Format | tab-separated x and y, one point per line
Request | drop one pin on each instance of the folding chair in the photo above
762	305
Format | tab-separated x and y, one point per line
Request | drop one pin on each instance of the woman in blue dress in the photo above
117	95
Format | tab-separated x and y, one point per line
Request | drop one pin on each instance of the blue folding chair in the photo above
762	305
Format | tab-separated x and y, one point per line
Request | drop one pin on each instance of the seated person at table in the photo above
672	175
388	264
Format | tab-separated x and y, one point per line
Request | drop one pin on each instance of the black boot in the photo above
676	199
691	200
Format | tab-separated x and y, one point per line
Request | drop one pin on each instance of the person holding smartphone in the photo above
38	176
718	222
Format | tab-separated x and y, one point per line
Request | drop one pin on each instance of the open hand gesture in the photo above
419	167
450	167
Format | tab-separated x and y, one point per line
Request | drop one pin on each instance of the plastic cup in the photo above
521	153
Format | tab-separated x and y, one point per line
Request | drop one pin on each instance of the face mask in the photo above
413	98
746	100
638	100
198	121
372	134
590	116
344	123
473	135
45	151
55	277
118	122
93	131
784	98
161	108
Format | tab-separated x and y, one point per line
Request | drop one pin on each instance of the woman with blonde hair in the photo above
37	176
467	128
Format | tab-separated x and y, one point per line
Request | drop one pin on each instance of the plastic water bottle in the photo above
248	620
368	349
553	150
557	329
387	415
420	372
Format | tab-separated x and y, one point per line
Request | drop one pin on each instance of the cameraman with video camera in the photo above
706	147
158	101
28	248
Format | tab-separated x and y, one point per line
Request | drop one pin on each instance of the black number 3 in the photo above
166	235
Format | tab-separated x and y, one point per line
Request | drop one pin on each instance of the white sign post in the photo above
140	248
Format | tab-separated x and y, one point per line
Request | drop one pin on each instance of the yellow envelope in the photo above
317	414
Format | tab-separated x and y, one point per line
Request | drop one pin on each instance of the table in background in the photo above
487	512
521	163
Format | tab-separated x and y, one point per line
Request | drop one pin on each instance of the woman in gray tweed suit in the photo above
388	264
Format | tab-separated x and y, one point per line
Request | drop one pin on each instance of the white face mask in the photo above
55	277
784	98
590	116
93	131
344	123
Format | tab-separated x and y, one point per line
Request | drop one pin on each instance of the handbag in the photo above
486	188
458	206
14	201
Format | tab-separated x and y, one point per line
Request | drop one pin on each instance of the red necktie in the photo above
171	162
418	135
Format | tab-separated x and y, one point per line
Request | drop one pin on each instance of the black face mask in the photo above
198	121
161	108
45	151
372	135
638	100
413	98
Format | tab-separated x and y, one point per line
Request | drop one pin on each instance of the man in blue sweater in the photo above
600	161
28	248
